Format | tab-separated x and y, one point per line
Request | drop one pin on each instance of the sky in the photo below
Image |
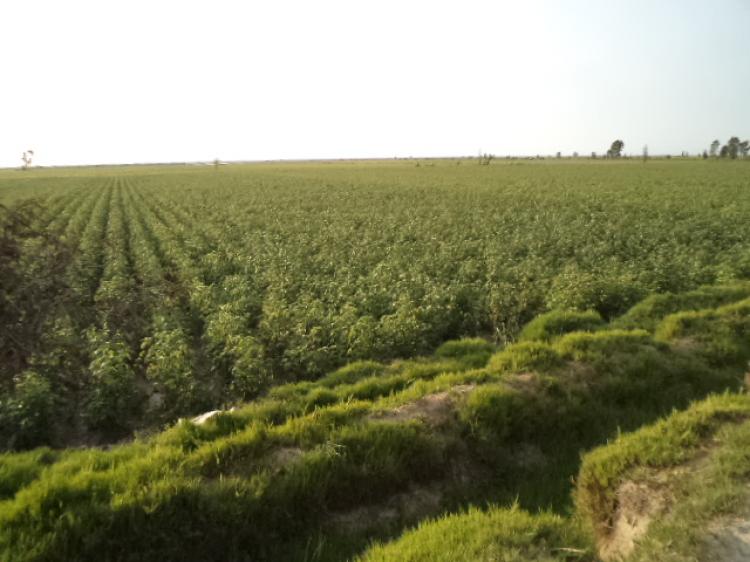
160	81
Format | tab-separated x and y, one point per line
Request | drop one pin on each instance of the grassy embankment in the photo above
317	470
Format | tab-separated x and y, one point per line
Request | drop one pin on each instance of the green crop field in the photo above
408	345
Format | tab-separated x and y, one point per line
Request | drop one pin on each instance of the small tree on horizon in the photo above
715	147
26	157
615	151
731	149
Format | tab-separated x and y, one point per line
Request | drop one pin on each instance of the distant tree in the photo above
732	148
645	152
615	151
26	157
485	159
705	154
715	147
593	155
558	155
744	148
575	155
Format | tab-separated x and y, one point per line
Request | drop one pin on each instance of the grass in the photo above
494	535
271	479
214	286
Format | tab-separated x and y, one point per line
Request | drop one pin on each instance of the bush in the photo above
168	360
558	322
112	399
27	416
525	356
581	290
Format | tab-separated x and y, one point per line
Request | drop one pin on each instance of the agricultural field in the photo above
417	353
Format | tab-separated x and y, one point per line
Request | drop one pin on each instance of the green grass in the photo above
554	324
216	285
385	332
667	443
269	480
495	535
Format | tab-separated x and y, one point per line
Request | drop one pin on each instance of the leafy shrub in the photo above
27	415
584	290
546	327
112	396
168	360
525	356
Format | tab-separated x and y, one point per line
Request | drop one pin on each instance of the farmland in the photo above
391	329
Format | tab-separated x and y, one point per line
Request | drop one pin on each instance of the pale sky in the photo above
150	81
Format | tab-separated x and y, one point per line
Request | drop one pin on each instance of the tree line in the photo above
732	149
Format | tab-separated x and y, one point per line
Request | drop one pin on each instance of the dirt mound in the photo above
434	409
638	504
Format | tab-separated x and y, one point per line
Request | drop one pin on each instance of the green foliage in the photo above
27	415
526	356
489	412
264	292
475	352
168	362
352	373
497	535
649	312
20	469
174	294
112	396
551	325
721	334
586	346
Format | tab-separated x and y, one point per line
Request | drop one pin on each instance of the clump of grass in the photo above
18	470
722	334
585	346
351	373
648	313
525	356
551	325
475	352
510	535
